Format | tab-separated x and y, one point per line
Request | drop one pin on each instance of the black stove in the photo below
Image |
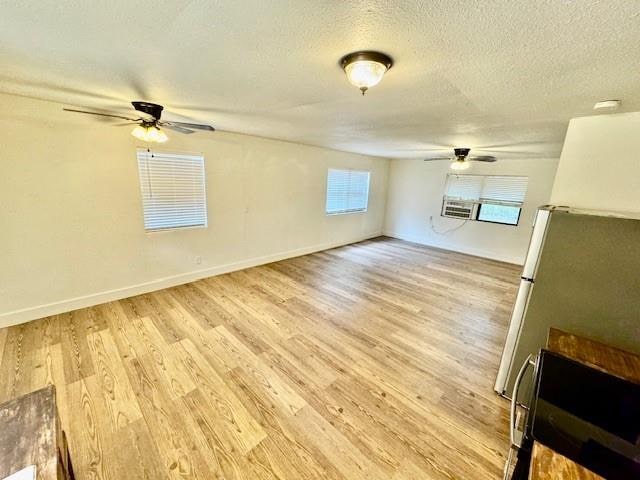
589	416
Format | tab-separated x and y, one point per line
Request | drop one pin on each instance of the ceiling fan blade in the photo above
424	149
509	145
486	158
175	128
122	117
438	158
197	126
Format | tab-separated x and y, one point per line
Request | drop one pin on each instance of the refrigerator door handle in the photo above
515	441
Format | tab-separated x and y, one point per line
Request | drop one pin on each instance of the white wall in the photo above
600	164
415	194
71	229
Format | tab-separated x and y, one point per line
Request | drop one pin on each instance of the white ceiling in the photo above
503	75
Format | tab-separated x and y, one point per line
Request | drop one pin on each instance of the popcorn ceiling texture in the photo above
503	75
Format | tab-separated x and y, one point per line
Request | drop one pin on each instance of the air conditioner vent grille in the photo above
457	209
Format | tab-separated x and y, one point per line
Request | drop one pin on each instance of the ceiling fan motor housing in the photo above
152	109
461	152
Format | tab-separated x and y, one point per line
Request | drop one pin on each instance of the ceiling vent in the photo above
607	104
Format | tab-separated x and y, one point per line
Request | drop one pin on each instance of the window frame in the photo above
478	203
153	231
478	219
350	211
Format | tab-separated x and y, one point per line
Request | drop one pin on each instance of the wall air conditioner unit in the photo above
464	210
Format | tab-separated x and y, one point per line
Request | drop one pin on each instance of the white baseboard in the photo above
476	252
16	317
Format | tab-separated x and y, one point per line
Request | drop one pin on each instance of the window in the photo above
496	198
173	190
498	214
347	191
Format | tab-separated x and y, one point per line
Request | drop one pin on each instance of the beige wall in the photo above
415	194
71	229
600	164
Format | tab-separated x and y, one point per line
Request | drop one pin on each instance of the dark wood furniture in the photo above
595	354
547	464
31	435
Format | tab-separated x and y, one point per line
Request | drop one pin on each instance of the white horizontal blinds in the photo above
347	191
173	190
498	189
506	190
464	187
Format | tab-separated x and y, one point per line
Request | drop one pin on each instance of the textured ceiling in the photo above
505	76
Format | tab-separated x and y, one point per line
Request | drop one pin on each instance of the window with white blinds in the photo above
506	190
464	187
496	189
347	191
497	198
173	190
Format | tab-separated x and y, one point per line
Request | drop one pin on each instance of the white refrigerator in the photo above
581	276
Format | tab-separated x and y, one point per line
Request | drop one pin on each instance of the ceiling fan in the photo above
461	159
147	117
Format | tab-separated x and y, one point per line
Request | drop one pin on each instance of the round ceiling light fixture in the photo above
365	69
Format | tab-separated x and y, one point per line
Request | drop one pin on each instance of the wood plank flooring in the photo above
366	362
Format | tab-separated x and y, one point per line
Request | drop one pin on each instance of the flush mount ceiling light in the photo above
365	69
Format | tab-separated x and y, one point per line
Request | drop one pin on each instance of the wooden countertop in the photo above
547	464
595	354
28	426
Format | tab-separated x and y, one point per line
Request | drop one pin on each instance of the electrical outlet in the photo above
197	259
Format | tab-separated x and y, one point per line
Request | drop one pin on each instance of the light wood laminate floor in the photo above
373	361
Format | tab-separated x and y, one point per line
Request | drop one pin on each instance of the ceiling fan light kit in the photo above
365	69
460	165
149	133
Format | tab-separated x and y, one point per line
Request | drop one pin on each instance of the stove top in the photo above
589	416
